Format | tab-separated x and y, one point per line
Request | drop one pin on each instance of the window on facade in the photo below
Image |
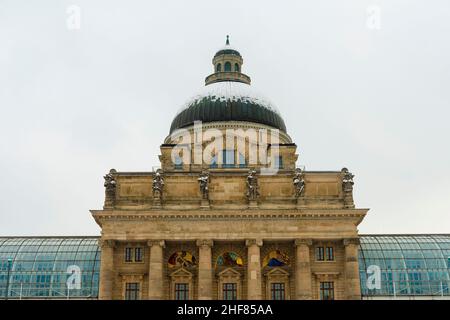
329	254
132	291
213	163
277	291
181	291
326	291
138	254
227	66
228	158
219	67
236	67
178	162
242	162
229	291
320	256
128	254
135	254
278	162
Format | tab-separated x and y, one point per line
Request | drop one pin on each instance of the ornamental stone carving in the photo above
347	188
253	242
157	186
299	183
252	186
110	188
303	242
160	243
203	182
205	243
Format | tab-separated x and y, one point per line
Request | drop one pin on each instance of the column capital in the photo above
160	243
105	243
351	241
205	243
253	242
303	241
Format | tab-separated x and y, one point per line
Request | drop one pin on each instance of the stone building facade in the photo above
242	223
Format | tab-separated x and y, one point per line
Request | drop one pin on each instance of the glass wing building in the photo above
391	267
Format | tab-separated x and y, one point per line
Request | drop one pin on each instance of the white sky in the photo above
75	103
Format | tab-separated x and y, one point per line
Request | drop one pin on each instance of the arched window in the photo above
276	258
236	67
219	67
227	66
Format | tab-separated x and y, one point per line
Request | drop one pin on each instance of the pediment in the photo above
229	272
181	272
277	272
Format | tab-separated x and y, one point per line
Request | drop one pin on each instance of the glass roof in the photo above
49	267
406	265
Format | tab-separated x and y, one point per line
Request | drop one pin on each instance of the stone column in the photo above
155	270
352	282
105	290
205	271
254	284
303	281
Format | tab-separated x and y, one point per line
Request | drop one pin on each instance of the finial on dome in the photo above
228	40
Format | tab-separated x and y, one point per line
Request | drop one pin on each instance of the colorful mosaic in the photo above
229	259
181	259
276	258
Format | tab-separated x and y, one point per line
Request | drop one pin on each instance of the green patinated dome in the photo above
228	101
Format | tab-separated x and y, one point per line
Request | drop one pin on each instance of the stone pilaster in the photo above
205	271
155	271
254	284
105	289
303	281
352	282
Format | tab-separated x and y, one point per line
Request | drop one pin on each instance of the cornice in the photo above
260	214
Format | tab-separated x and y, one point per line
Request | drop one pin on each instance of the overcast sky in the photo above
362	84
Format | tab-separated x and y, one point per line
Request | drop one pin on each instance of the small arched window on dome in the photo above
236	67
219	68
227	66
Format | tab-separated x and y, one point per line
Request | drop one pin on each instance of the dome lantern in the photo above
227	64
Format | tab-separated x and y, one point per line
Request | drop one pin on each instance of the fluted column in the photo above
205	272
105	289
352	282
155	270
254	284
303	282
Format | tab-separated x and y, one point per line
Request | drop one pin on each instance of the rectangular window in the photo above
229	291
178	162
320	254
326	291
132	291
181	291
228	159
277	291
278	162
128	254
138	254
329	254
